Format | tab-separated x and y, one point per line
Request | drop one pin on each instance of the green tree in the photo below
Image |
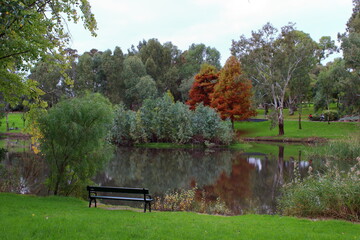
335	82
73	141
29	30
350	45
136	81
271	61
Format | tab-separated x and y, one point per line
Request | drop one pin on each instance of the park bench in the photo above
146	198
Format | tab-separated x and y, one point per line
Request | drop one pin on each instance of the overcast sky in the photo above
212	22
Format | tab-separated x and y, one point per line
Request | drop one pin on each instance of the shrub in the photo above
333	194
185	200
163	120
332	115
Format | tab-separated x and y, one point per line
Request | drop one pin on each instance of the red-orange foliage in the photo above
232	94
203	86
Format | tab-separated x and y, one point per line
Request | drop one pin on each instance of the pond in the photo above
245	181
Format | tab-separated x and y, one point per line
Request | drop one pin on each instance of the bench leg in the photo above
149	206
144	207
89	202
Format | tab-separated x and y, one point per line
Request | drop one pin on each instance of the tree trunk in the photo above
266	110
281	122
233	124
300	112
7	120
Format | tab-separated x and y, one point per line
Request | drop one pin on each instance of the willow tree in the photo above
272	59
232	94
73	141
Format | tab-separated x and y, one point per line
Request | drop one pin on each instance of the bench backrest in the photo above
119	189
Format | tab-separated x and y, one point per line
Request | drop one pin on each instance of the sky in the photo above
213	22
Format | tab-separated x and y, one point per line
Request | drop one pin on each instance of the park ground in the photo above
29	217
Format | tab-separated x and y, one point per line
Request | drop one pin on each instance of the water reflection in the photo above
246	182
22	172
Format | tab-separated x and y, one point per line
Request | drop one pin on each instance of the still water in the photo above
245	181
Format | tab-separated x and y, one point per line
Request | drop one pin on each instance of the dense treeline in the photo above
144	72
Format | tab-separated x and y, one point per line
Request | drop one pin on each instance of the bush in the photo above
331	194
332	115
163	120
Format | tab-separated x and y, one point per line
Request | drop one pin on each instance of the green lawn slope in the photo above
309	129
29	217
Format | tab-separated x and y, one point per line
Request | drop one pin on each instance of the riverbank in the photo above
29	217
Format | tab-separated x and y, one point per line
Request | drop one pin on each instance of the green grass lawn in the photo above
29	217
309	129
15	120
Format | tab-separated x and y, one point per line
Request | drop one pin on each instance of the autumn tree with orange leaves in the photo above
203	86
232	93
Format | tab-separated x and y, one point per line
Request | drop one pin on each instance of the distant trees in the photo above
147	71
272	60
350	45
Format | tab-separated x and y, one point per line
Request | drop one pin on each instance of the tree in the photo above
335	82
29	30
49	78
136	81
271	61
115	90
203	86
350	45
195	56
232	94
73	140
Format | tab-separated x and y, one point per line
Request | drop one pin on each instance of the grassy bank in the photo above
333	130
15	121
28	217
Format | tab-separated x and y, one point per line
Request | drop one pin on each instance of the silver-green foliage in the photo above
74	133
163	120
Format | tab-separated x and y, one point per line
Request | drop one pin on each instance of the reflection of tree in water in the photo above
245	183
233	188
163	170
22	172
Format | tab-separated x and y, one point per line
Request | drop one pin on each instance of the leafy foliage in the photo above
73	140
163	120
31	29
203	86
232	94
